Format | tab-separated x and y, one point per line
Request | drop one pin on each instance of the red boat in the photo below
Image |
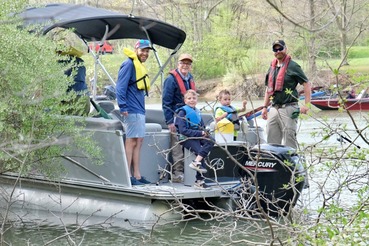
361	102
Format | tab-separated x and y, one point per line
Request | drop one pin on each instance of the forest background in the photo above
230	40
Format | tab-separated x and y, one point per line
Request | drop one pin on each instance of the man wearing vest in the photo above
132	85
175	86
281	80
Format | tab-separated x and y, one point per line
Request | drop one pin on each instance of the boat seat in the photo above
149	127
153	127
157	116
103	124
108	106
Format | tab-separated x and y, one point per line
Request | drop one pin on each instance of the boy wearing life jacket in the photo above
193	136
227	111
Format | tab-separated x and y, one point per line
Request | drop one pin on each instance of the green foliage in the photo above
32	85
220	48
358	52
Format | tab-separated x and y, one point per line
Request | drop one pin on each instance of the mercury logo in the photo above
262	164
217	163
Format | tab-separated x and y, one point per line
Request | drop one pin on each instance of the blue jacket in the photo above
79	70
184	128
172	98
129	97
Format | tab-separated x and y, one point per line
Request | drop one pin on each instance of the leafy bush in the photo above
32	86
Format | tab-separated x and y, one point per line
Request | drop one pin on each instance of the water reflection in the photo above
192	232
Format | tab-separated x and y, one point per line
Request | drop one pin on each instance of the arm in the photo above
264	112
220	114
124	76
244	102
167	102
307	92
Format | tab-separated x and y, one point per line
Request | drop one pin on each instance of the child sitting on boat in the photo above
193	135
227	111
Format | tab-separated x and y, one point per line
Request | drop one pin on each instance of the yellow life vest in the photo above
142	78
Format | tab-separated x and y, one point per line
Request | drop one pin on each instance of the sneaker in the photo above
143	180
201	185
134	181
197	166
178	178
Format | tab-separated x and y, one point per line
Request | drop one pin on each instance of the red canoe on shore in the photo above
349	104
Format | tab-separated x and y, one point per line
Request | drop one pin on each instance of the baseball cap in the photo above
279	42
185	57
143	44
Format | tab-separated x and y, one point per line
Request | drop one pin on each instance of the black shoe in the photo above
134	181
143	180
200	184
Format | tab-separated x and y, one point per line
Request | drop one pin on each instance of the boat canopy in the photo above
91	23
98	25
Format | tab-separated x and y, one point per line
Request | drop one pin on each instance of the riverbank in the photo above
251	87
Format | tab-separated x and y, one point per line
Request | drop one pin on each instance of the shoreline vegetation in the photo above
250	86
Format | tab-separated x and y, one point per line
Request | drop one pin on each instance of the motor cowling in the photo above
276	172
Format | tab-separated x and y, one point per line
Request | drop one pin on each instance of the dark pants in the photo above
200	147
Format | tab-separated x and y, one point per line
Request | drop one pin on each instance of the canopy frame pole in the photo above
97	63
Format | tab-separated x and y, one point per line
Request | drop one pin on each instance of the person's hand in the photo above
205	133
304	109
264	113
125	113
172	127
244	102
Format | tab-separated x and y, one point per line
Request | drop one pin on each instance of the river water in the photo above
312	129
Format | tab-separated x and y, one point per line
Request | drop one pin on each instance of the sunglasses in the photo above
185	63
278	49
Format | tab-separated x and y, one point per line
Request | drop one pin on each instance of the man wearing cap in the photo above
132	85
71	57
281	80
175	86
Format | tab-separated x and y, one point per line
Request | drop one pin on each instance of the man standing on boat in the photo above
79	104
281	80
132	85
175	86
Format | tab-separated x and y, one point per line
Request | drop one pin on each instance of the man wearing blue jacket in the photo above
130	90
175	86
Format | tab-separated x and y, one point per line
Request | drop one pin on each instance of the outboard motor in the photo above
278	173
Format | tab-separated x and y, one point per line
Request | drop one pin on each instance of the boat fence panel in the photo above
108	135
154	153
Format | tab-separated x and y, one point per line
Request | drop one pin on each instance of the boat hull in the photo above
97	194
349	104
53	203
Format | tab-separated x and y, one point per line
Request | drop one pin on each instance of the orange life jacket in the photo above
180	82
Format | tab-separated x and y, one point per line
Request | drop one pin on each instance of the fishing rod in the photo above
347	139
256	112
